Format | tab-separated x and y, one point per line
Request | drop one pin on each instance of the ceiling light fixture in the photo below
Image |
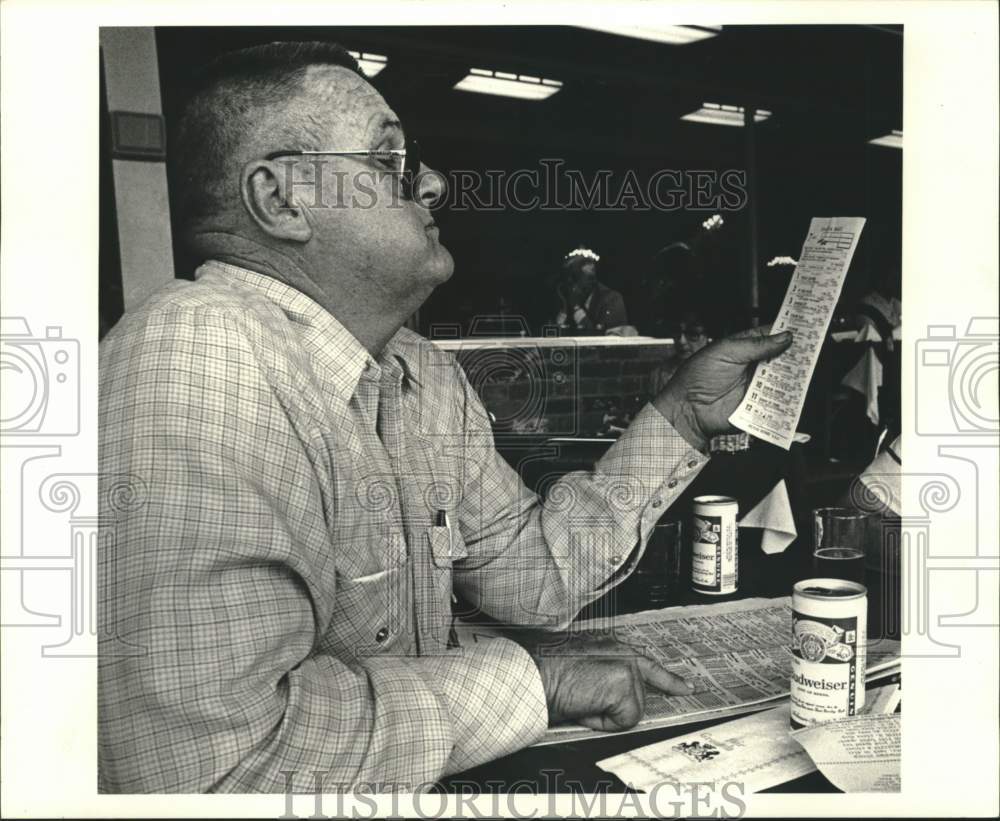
717	114
505	84
370	64
674	35
891	140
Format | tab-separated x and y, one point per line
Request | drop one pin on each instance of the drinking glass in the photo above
658	573
839	538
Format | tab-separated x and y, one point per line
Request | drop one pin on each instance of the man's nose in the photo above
430	186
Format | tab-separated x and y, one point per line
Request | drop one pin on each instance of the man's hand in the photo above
709	386
601	683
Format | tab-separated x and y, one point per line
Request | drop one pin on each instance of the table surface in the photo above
533	769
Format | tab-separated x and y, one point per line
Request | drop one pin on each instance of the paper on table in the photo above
858	754
755	751
737	654
758	751
564	734
773	515
773	403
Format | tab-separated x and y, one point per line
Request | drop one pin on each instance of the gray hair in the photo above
240	99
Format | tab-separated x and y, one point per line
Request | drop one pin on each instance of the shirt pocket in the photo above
371	614
446	546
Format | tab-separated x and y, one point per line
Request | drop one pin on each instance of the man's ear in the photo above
265	187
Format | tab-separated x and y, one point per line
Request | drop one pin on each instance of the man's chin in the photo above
439	267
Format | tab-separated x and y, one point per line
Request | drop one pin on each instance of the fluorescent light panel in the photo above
892	140
674	35
717	114
370	64
505	84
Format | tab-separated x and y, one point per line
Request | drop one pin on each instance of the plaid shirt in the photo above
276	588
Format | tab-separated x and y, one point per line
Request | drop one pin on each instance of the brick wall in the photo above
561	387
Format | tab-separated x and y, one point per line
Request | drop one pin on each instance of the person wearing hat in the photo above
588	306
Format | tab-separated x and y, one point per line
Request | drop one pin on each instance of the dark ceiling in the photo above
846	78
830	88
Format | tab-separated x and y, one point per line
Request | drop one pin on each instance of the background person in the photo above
586	305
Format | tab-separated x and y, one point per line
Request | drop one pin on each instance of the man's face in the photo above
363	229
580	273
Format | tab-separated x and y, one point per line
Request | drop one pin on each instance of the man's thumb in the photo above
766	347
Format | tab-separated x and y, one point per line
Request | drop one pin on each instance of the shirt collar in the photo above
344	357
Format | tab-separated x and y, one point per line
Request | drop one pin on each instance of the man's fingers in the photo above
603	723
758	348
664	680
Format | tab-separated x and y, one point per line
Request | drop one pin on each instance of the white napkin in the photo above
868	333
773	515
866	378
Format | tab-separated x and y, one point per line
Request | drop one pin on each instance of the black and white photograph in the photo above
442	411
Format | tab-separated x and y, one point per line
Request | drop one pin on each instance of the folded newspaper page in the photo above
857	754
759	751
737	654
773	402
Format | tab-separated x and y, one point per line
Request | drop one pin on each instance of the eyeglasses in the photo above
402	162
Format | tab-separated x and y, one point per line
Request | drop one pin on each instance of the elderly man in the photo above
311	480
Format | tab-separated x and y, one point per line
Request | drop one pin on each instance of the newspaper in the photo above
777	392
857	754
758	751
737	654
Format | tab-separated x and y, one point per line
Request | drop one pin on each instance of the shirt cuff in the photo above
494	695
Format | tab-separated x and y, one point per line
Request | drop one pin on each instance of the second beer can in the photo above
715	557
829	633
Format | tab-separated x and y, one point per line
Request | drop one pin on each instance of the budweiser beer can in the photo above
714	545
829	631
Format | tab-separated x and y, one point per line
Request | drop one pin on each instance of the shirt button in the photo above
692	464
672	484
657	502
614	560
382	635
